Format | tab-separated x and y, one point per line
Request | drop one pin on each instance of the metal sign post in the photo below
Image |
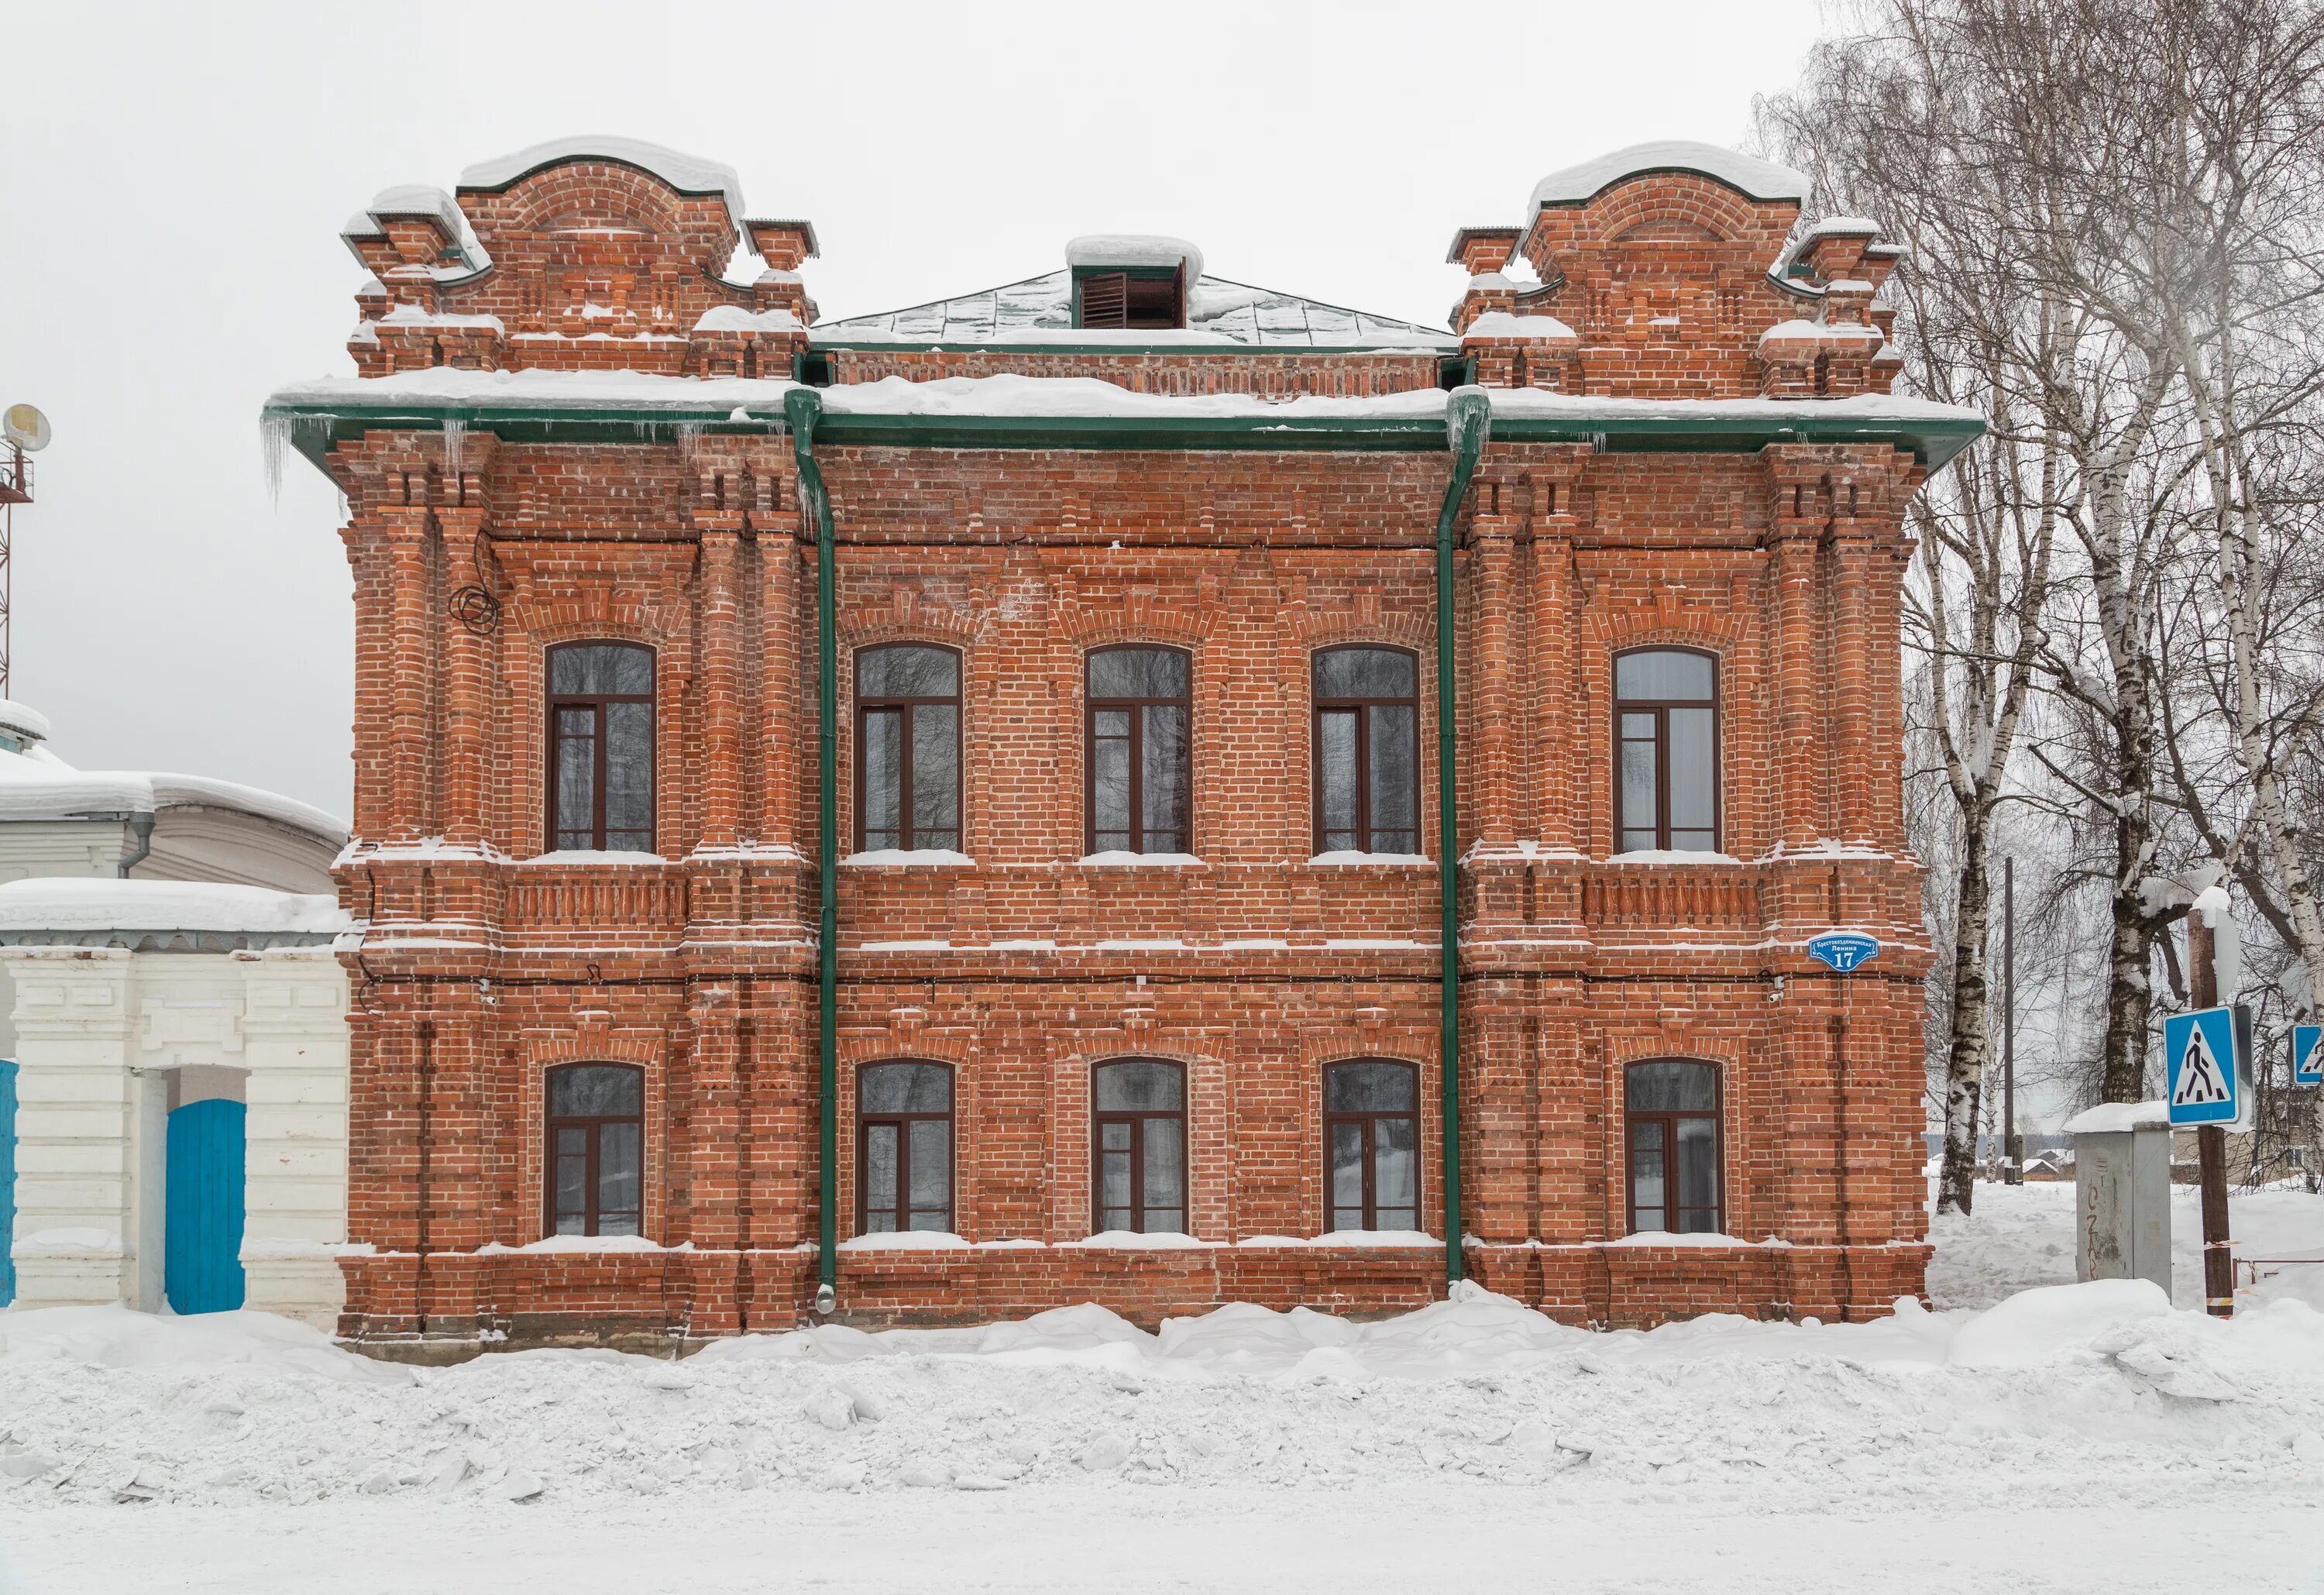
2206	1058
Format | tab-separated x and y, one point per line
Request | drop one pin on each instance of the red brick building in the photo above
1137	764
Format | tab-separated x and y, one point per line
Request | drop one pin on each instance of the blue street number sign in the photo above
1843	950
2307	1066
2209	1074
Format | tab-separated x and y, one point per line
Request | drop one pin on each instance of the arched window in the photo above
597	1144
907	748
1367	753
1141	1120
1137	753
1666	751
1673	1110
903	1149
601	747
1372	1145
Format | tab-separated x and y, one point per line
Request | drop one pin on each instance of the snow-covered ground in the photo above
2077	1439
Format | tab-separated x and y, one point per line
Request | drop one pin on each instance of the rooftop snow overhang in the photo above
313	418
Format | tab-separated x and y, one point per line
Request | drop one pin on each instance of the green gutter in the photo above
1932	439
1468	422
803	408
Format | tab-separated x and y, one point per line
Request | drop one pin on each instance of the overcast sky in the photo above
173	177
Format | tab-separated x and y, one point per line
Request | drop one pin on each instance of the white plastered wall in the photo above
107	1042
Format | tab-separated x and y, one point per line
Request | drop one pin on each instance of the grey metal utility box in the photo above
2122	1204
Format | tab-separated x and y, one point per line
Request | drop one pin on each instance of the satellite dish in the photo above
26	428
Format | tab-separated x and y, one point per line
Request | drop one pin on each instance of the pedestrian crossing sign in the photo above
2209	1076
2307	1063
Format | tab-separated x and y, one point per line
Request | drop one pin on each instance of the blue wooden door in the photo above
7	1181
202	1257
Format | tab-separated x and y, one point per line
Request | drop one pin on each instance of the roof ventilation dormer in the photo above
1127	279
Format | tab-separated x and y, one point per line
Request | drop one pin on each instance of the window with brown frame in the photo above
903	1147
595	1140
1137	755
1666	751
907	748
1139	1134
1367	751
1672	1107
1372	1145
601	747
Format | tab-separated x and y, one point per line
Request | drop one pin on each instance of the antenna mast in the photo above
26	432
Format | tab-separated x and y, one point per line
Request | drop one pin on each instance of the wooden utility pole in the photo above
2211	1141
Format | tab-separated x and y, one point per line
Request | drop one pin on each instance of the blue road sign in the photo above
2208	1074
1843	950
2306	1067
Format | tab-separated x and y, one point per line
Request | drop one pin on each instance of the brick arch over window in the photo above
1648	199
581	193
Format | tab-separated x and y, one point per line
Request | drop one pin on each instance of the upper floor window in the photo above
1372	1145
1137	758
1673	1107
908	747
1666	751
1140	1129
596	1143
1367	758
601	747
903	1149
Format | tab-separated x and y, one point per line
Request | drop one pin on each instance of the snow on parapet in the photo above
419	199
75	903
406	200
1134	249
688	174
1749	176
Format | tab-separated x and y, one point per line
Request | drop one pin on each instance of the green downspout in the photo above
1468	421
804	407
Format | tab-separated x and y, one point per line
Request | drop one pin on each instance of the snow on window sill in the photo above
923	857
1346	856
1122	859
590	856
1664	855
1132	1240
557	1243
906	1240
1694	1238
1382	1239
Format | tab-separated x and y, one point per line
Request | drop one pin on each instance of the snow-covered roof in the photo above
145	914
420	199
1134	249
688	174
24	721
38	785
1013	395
1752	177
1231	315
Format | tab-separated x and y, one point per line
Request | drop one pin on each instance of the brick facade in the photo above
475	553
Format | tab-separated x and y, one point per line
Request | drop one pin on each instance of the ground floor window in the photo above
1372	1145
903	1149
1140	1116
1672	1111
597	1141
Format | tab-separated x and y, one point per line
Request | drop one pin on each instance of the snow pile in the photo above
2038	1395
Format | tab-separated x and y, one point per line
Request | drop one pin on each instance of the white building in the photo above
165	945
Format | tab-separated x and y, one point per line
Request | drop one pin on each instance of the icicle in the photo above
689	433
454	432
274	443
